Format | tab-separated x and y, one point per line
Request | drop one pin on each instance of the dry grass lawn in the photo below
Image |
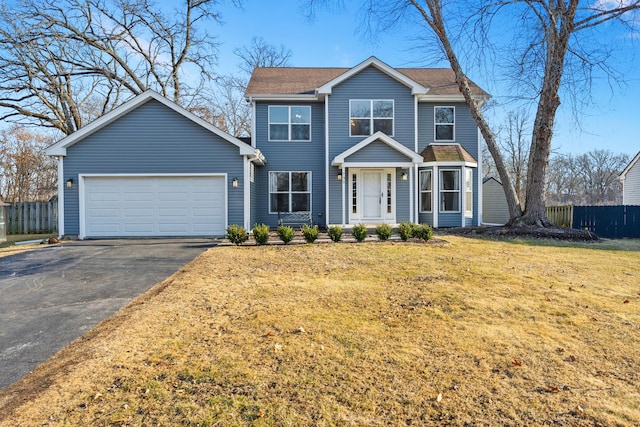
466	332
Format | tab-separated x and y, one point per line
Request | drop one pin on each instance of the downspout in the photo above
415	193
414	216
61	186
479	180
326	160
253	122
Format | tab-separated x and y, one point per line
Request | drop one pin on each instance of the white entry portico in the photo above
369	173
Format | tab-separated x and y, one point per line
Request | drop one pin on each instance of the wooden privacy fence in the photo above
32	217
608	221
562	216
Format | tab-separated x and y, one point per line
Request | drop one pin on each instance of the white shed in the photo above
495	210
630	178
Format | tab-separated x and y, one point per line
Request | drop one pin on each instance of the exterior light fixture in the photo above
69	183
234	183
404	176
340	176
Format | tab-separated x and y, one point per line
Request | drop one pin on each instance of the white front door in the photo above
372	195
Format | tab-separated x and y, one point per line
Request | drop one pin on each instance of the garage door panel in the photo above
142	196
142	227
154	206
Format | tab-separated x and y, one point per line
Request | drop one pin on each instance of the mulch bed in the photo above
528	232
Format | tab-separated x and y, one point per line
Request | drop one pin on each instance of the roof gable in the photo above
60	147
377	137
631	164
416	88
312	83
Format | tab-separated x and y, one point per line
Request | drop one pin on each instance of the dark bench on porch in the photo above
294	218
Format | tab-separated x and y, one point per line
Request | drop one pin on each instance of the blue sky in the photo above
334	39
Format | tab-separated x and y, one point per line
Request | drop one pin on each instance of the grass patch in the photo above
9	247
474	332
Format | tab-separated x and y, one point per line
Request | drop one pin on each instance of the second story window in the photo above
444	119
289	123
370	116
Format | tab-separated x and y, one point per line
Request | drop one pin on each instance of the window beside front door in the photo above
426	192
289	192
444	123
449	190
368	116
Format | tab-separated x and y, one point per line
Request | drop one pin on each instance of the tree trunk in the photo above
557	33
436	23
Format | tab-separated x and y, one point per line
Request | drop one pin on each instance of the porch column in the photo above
435	195
411	195
345	179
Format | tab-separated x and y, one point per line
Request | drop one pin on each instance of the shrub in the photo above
405	230
237	234
359	232
285	233
309	233
384	231
261	233
423	231
335	233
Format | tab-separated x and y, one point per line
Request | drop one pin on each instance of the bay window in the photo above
449	190
425	191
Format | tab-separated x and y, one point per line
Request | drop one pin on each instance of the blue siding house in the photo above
369	144
364	145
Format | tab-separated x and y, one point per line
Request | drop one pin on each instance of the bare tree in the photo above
26	173
232	112
63	61
513	142
262	54
550	37
587	179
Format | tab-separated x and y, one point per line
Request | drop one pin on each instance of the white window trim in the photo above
291	192
441	191
436	124
371	118
420	192
468	188
289	124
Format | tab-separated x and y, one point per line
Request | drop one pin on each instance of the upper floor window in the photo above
444	119
289	123
368	116
449	190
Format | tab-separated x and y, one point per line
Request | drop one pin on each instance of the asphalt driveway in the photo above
51	296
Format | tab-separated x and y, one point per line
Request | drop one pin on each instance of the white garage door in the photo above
154	206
